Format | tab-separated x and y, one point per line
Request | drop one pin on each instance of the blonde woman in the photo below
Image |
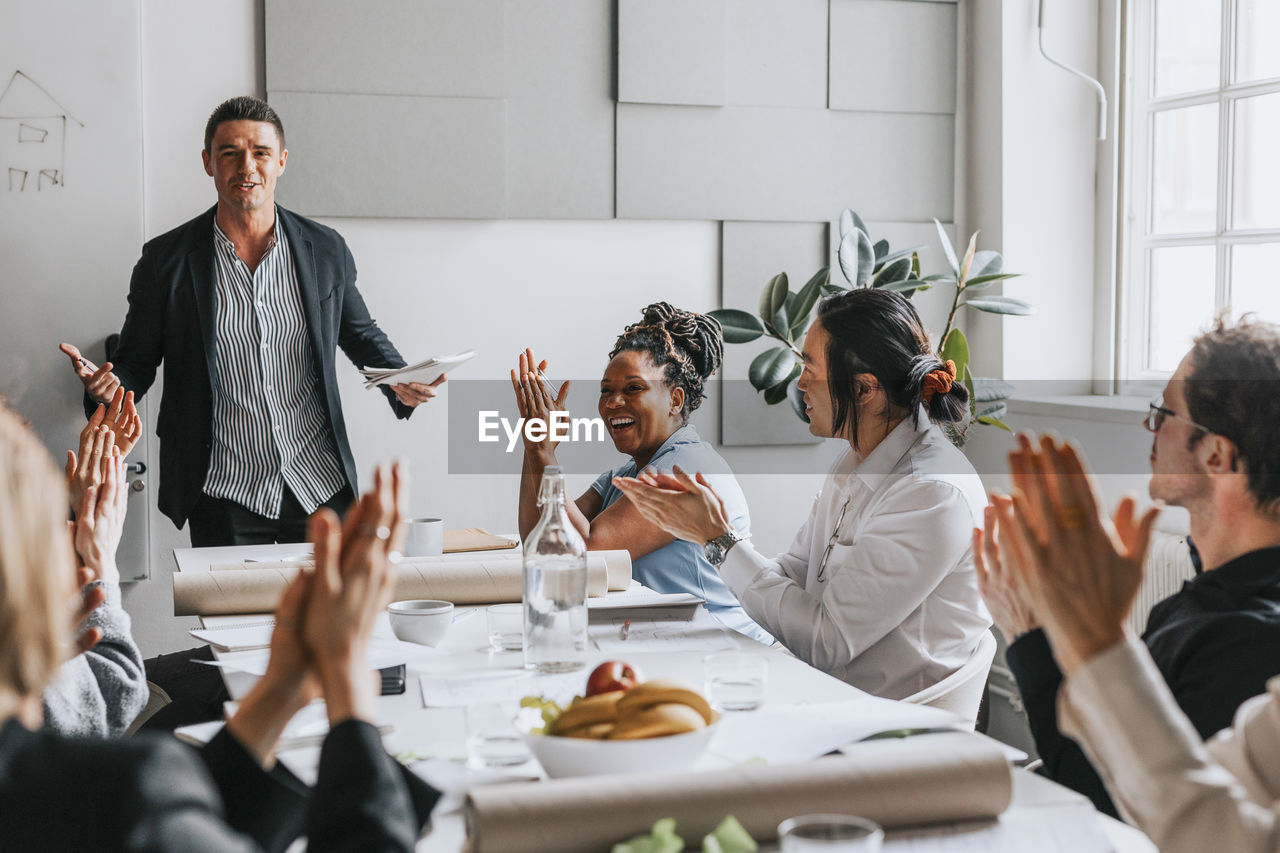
142	794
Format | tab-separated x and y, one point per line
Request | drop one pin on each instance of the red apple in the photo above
613	675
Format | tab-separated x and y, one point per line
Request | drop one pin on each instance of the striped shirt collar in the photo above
224	242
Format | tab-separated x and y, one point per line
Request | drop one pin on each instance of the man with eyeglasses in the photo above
1217	640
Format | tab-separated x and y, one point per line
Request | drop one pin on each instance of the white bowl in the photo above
423	621
571	756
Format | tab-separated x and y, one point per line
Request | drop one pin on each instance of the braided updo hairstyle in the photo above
687	346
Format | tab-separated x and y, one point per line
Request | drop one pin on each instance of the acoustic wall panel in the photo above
776	53
893	56
751	254
671	51
770	164
560	109
386	47
395	157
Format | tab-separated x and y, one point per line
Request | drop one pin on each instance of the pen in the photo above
624	630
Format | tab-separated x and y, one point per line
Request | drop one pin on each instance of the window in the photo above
1202	225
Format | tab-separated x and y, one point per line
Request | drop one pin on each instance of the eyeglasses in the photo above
831	543
1157	413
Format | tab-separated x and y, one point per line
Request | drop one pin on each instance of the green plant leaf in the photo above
796	398
938	277
895	271
773	297
770	367
947	249
900	253
998	410
1001	305
996	423
987	390
832	289
986	262
967	261
881	248
847	223
955	348
778	393
782	320
906	286
739	327
857	258
806	299
981	281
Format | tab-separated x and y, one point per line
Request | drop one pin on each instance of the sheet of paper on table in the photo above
383	652
793	733
496	685
308	727
702	633
237	638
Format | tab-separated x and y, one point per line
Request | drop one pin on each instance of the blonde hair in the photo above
35	561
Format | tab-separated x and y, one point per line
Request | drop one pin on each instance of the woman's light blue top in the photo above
680	566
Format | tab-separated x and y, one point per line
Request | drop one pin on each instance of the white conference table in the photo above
465	661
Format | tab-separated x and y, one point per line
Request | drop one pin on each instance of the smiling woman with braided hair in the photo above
654	381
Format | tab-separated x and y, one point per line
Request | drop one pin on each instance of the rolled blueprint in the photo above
926	779
480	578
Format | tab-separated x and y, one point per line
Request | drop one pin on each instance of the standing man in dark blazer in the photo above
245	305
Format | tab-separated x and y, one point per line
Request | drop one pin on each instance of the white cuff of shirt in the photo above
741	566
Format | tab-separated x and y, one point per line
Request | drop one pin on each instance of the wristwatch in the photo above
717	549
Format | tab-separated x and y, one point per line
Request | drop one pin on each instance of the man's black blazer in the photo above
171	319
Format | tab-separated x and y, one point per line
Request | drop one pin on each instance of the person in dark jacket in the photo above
67	793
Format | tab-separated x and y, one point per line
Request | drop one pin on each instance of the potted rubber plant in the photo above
785	315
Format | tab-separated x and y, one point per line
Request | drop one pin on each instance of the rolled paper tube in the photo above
926	779
463	579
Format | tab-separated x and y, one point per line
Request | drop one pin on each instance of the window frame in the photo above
1139	107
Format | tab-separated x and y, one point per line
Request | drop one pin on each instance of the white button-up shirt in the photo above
897	607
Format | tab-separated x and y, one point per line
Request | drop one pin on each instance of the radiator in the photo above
1168	566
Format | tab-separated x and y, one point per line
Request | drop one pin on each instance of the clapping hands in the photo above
1079	570
534	399
326	617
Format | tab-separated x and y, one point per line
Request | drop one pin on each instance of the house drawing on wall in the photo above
33	136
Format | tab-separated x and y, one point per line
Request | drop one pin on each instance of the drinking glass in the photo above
829	833
734	681
506	627
492	739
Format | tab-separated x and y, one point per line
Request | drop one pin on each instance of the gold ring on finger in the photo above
1069	517
381	531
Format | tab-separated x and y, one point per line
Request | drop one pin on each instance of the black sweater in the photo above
1216	642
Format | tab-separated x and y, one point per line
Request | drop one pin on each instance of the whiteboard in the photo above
71	199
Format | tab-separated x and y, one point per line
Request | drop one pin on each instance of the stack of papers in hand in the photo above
425	372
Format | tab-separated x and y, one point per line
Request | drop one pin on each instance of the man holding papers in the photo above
245	305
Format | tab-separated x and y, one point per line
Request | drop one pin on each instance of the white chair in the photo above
961	691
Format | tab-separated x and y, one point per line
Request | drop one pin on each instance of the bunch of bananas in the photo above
654	708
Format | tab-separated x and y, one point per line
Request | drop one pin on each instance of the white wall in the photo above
1031	153
436	286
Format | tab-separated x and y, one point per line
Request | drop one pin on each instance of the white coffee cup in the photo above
425	537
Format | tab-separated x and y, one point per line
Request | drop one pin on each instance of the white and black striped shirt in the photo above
270	427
